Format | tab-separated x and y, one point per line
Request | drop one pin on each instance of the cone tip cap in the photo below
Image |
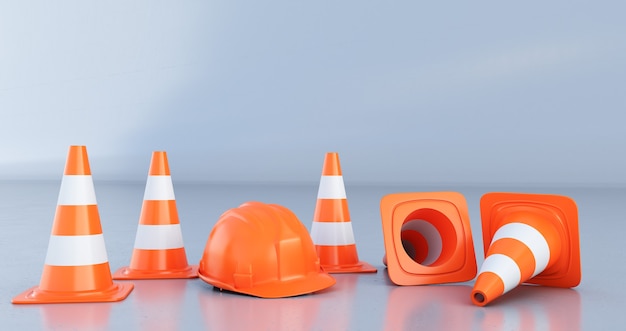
478	298
159	165
77	161
331	165
488	287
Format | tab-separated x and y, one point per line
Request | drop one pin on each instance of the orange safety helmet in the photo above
262	250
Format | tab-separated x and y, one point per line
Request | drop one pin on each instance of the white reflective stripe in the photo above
77	190
159	188
159	236
331	187
530	237
332	233
432	236
505	267
76	250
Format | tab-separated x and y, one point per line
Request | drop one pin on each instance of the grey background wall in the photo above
406	92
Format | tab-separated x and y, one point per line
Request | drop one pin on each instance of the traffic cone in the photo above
528	238
76	267
332	229
159	251
428	238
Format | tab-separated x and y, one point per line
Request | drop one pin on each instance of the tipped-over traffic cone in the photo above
332	230
77	266
428	239
159	251
528	238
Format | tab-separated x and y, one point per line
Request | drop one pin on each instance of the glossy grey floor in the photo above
356	302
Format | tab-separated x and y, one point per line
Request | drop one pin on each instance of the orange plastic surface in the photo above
262	250
34	295
77	220
447	212
331	210
331	167
159	212
559	212
159	165
77	161
488	287
342	259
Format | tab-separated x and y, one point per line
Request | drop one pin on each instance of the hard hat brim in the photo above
313	282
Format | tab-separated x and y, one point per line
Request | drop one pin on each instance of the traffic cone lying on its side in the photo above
528	238
159	251
332	229
77	266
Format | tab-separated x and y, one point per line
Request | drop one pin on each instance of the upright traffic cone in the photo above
159	251
76	267
528	238
332	229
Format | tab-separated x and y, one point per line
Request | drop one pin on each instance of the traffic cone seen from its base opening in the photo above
77	266
528	238
428	238
332	229
159	251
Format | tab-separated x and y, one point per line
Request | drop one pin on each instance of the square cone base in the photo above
34	295
128	273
